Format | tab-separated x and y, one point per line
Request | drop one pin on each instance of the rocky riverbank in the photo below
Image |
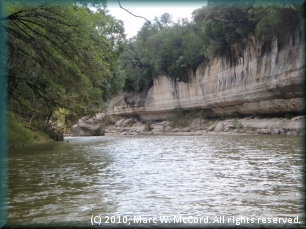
198	126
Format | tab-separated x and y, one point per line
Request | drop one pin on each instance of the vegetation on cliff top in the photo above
177	48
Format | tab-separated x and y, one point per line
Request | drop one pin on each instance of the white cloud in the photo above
133	24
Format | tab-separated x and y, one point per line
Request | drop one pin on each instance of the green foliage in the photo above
236	125
137	67
191	45
62	58
148	126
54	132
173	49
19	135
177	118
222	26
272	21
181	118
160	48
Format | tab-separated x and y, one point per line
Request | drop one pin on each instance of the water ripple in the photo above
249	176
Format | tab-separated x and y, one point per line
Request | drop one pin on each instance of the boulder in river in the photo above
275	131
89	126
211	128
219	127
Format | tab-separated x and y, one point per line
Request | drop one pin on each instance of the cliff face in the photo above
254	78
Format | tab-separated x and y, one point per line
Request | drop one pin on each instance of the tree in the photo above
164	21
275	21
222	26
62	58
192	44
136	62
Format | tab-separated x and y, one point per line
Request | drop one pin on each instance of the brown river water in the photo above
129	180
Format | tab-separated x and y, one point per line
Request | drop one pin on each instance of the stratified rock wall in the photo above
256	77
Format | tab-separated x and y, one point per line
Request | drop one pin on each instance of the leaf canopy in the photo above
62	57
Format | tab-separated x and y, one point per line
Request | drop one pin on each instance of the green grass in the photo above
19	135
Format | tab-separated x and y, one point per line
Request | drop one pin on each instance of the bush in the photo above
54	132
180	118
148	126
236	124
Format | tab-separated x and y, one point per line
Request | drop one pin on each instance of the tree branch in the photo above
46	37
35	89
131	13
49	29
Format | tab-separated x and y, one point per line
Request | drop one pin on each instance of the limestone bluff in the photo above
258	77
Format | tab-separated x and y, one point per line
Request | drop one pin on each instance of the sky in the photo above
149	11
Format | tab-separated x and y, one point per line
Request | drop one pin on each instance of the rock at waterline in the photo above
219	127
211	128
275	131
87	126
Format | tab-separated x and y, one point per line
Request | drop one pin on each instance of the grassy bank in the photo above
19	134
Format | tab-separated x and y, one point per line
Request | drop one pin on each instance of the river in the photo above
88	179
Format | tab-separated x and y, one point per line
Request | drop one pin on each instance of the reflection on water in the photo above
252	176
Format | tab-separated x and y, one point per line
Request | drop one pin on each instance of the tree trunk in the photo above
48	117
